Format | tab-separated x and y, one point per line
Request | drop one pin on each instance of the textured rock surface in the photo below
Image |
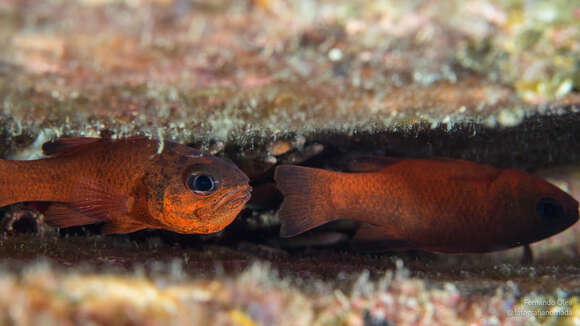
312	82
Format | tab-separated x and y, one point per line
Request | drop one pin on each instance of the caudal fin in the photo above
307	198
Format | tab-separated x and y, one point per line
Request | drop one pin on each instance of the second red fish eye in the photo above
201	184
549	208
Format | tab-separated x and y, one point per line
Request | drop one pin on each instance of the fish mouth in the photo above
245	196
232	201
235	198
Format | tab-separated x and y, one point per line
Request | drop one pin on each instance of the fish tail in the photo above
307	201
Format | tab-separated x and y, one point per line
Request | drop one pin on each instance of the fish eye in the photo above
201	184
549	208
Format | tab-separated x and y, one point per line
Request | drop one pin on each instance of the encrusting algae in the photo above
44	294
264	83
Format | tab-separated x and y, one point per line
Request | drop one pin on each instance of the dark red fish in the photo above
131	184
440	205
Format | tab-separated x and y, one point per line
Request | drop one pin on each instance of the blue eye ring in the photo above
201	184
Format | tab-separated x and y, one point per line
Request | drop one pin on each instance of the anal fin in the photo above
370	232
122	228
315	239
373	238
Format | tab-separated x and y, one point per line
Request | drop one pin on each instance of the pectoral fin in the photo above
63	216
93	201
99	200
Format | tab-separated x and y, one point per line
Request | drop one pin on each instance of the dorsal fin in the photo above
474	172
471	171
67	145
483	178
372	163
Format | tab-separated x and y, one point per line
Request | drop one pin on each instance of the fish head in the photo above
194	192
539	209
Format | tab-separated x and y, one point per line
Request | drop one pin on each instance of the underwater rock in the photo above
312	83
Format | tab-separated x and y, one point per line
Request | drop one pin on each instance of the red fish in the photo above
131	184
439	205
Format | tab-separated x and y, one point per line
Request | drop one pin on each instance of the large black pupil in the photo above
549	208
202	182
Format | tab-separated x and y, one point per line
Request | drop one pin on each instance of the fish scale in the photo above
441	205
127	184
